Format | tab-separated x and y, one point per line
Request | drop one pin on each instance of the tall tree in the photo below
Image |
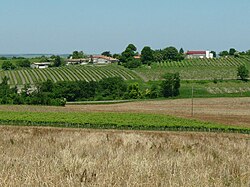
170	85
181	51
158	55
147	55
232	51
127	57
243	72
171	53
57	61
214	54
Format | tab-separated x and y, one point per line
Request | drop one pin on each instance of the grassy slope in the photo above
112	120
196	69
68	73
231	88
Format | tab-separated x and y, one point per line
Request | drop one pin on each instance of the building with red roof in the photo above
199	54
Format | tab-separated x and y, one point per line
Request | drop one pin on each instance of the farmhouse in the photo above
101	59
40	65
81	61
199	54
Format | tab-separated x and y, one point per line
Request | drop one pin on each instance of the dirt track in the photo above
223	110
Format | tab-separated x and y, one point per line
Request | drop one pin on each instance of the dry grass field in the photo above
233	111
73	157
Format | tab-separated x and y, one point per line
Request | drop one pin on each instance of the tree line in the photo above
112	88
21	62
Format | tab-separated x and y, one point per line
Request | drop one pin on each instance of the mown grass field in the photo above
195	69
67	157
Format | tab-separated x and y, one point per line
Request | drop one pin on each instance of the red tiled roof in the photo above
105	57
196	52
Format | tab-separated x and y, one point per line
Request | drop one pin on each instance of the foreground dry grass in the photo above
68	157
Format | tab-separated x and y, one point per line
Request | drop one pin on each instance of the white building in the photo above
101	59
199	54
40	65
81	61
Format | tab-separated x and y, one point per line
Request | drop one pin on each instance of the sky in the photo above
94	26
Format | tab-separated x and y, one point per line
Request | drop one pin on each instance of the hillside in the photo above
195	69
68	73
189	69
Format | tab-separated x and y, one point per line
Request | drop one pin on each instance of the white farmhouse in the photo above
101	59
40	65
199	54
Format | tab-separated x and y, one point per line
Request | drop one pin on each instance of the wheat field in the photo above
73	157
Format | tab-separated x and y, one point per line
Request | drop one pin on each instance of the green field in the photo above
67	73
113	120
206	88
195	69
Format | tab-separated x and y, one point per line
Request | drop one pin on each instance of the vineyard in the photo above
104	120
195	69
69	73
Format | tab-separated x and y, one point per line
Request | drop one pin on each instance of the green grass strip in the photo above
113	121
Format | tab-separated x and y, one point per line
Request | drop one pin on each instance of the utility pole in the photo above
192	107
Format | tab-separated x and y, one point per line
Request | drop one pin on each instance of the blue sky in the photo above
62	26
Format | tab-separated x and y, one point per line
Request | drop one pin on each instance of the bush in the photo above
170	86
24	63
7	65
243	72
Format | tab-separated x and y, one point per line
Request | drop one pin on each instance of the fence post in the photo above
192	107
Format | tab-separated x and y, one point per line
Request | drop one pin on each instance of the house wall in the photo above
196	56
100	61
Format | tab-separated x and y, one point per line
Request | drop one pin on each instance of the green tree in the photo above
107	53
248	52
134	91
24	63
181	51
7	65
154	91
243	72
171	54
112	87
146	55
127	58
3	58
214	54
128	54
57	61
158	55
78	54
223	53
232	51
170	85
